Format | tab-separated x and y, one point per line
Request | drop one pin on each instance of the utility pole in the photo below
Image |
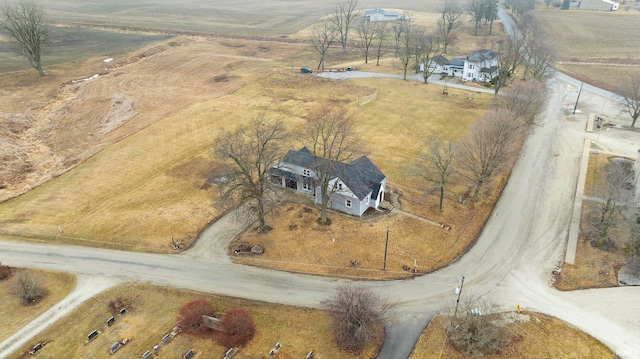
459	290
579	92
386	245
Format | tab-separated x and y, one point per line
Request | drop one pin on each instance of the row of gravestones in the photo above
277	347
111	321
165	339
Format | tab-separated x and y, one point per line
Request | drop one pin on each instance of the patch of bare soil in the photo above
51	124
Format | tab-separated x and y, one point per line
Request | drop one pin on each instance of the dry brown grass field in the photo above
152	312
595	267
15	315
540	337
596	46
143	132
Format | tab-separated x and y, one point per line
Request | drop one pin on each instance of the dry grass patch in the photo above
540	337
573	34
58	285
298	243
152	312
595	267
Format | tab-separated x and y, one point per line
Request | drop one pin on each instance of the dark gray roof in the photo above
458	61
360	175
481	55
489	70
441	60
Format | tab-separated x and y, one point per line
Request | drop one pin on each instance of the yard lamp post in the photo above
386	245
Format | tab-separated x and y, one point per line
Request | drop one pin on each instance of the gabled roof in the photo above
380	11
360	175
441	60
481	55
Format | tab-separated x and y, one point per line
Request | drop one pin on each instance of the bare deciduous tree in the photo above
490	12
405	49
486	148
322	37
509	59
356	314
29	288
381	37
249	152
398	28
23	21
475	8
630	93
342	19
540	56
430	48
525	99
435	165
451	19
367	32
474	331
612	198
329	134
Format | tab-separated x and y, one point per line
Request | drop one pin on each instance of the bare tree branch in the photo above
330	135
321	39
487	146
342	19
23	21
435	165
525	99
451	19
630	93
249	152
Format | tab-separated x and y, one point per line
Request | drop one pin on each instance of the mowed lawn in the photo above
152	312
148	188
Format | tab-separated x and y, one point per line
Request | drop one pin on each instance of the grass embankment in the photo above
612	61
15	315
596	267
152	312
540	337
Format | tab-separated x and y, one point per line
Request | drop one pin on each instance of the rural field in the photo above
598	47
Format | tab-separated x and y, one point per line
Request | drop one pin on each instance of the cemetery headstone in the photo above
114	347
92	335
110	321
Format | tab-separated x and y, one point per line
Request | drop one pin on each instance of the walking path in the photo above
574	228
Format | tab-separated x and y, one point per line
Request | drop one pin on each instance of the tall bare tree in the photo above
525	99
405	46
357	315
435	165
367	32
612	198
630	93
342	19
486	148
451	19
430	48
490	12
475	8
329	134
249	153
540	55
322	37
398	28
23	22
381	38
509	59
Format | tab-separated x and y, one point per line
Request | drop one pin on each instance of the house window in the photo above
470	67
339	186
348	203
306	186
306	173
